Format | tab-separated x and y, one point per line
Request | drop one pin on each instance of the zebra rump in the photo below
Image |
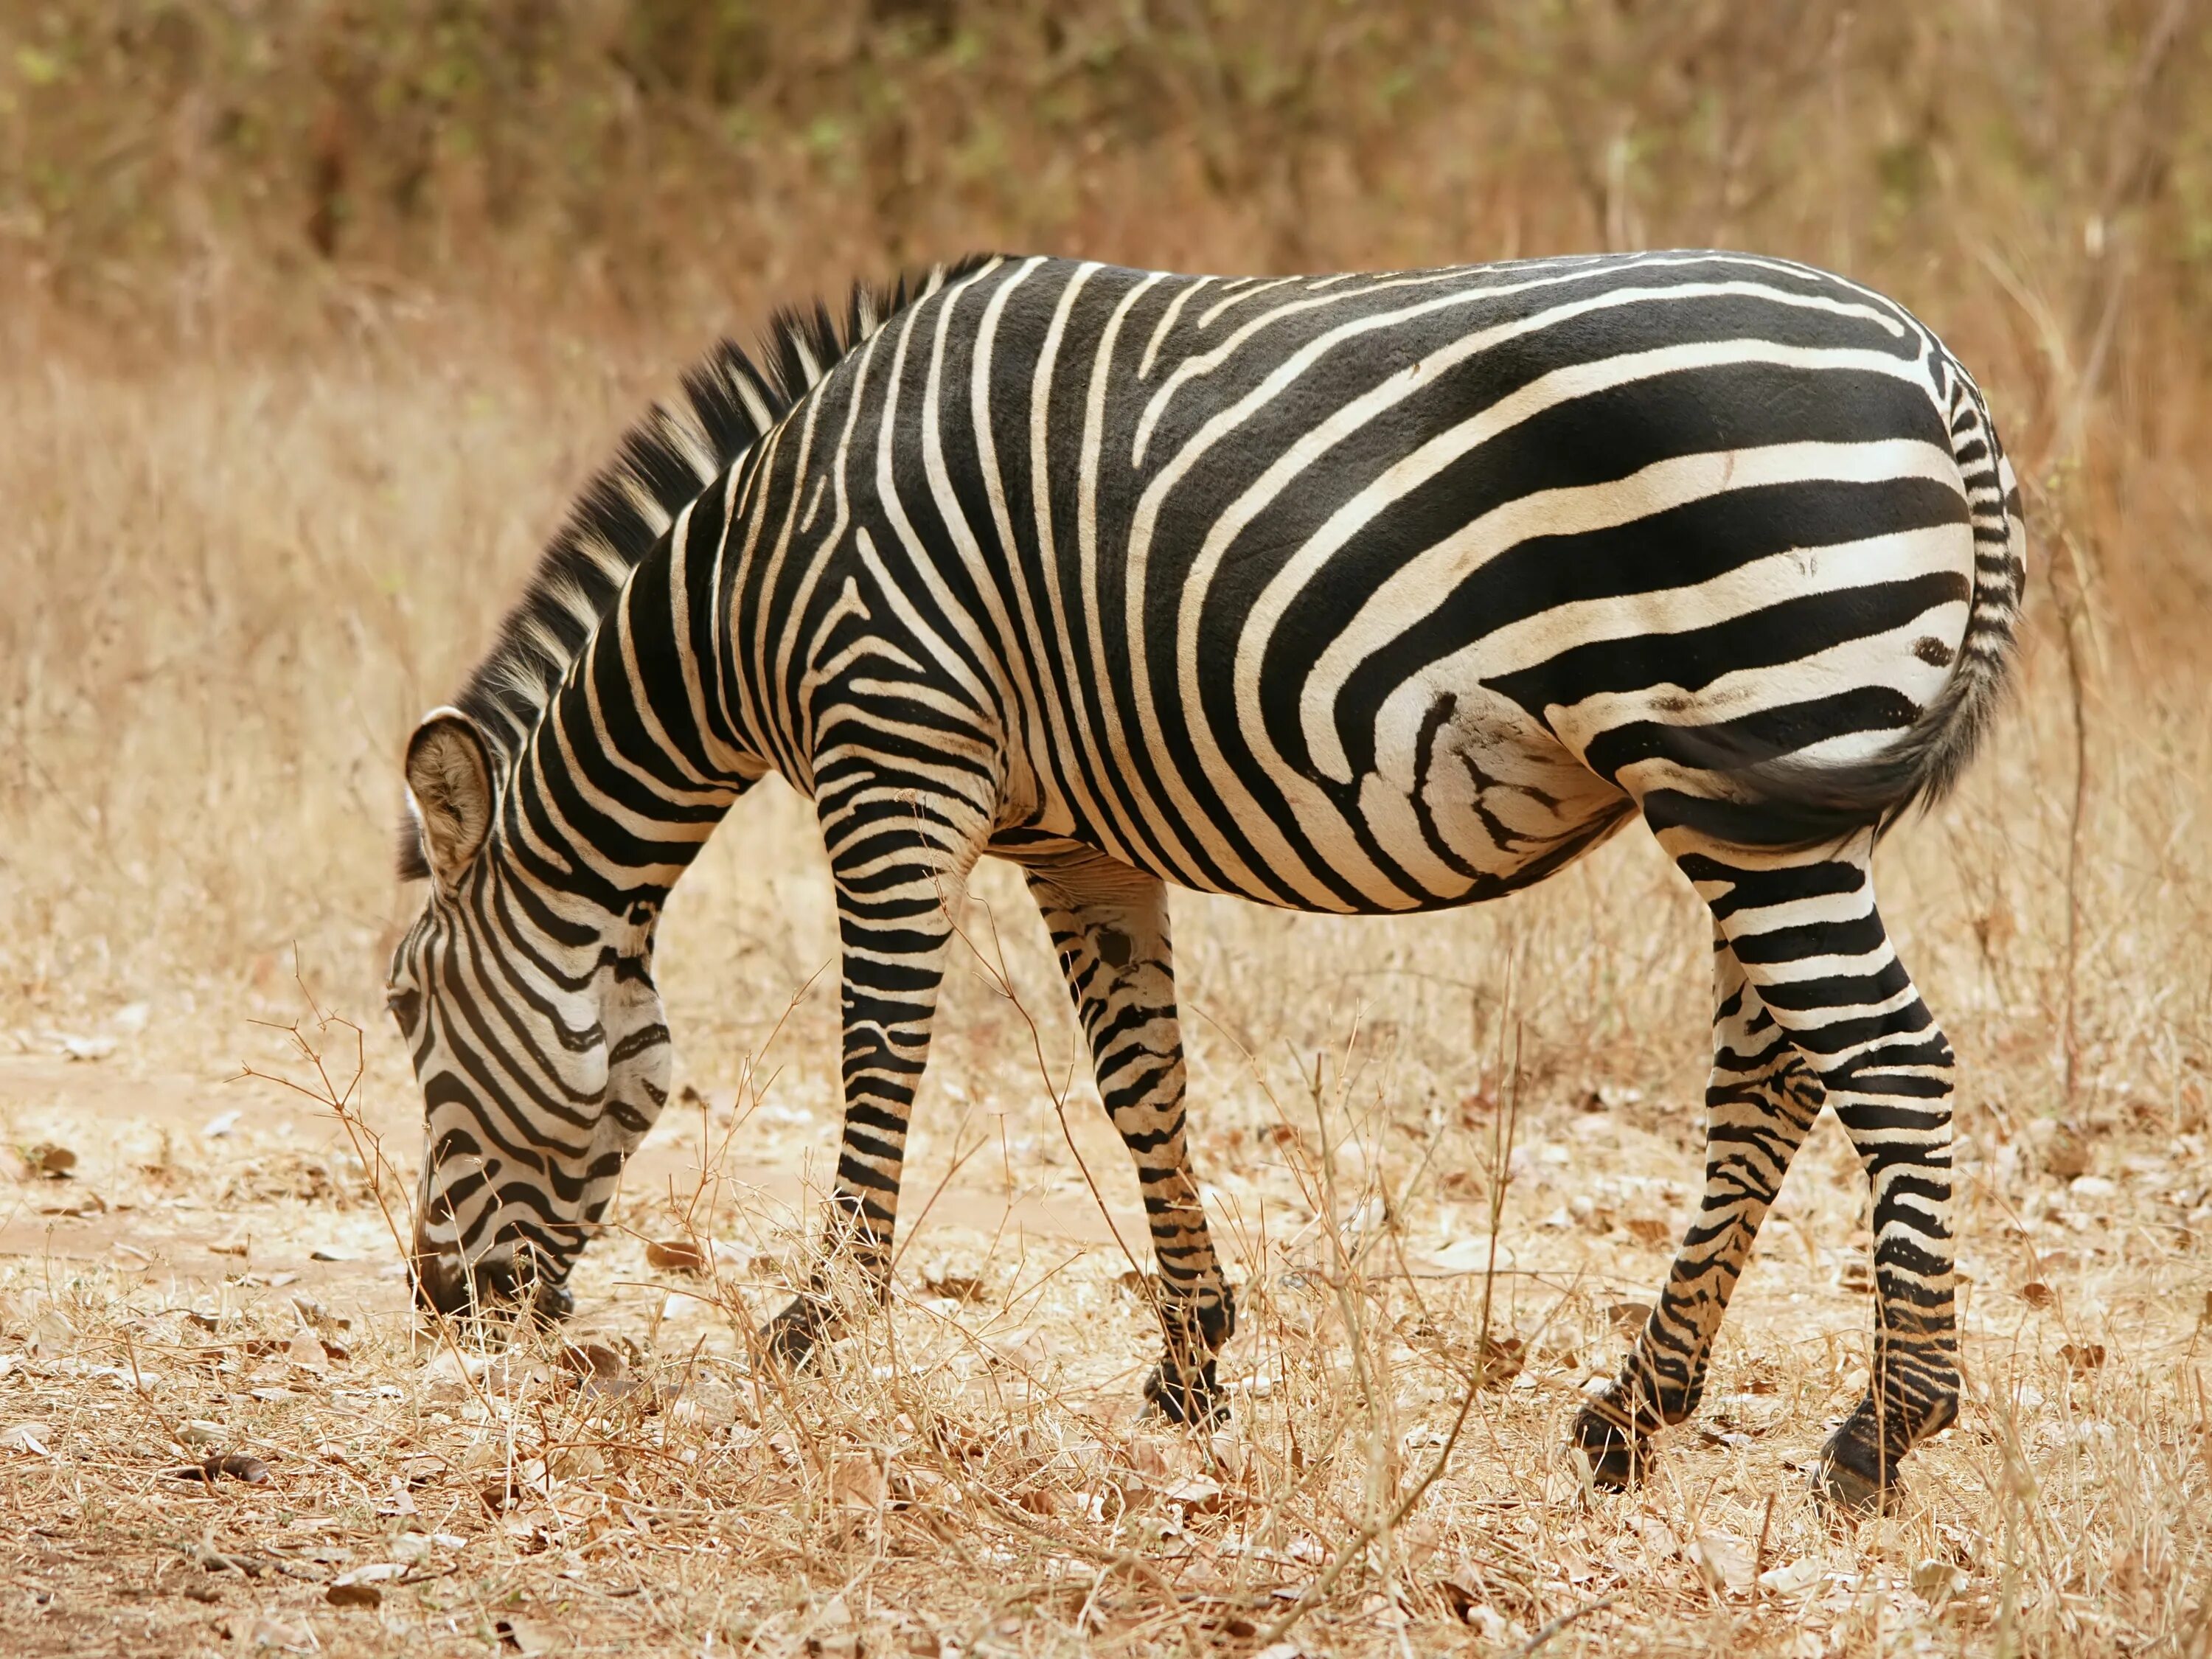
1786	800
1353	593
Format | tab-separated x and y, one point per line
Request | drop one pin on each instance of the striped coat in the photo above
1364	595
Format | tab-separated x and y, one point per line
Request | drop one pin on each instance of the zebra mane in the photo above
731	398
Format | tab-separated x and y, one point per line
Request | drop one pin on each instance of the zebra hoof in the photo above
791	1338
1192	1398
1849	1481
1616	1457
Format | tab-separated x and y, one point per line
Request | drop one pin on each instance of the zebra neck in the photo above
634	761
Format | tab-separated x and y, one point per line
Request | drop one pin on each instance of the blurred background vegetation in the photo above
314	312
2035	176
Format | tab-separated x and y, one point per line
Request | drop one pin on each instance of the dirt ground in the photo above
195	1265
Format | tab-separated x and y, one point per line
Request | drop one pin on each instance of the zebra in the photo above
1353	593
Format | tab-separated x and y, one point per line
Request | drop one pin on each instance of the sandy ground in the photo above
210	1275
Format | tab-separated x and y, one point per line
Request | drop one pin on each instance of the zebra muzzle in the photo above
446	1284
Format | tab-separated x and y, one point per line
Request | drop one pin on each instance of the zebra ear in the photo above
449	792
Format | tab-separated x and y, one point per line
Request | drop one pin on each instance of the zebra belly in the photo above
1472	800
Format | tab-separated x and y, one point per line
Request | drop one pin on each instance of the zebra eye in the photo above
405	1005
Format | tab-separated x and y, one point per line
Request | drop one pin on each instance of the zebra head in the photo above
536	1034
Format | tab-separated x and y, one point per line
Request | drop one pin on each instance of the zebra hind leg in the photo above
1804	925
1760	1101
1110	927
899	858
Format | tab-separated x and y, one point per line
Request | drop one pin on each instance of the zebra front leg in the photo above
1805	927
900	860
1110	926
1760	1101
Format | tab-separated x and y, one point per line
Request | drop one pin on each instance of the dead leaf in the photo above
958	1287
51	1161
1501	1362
1148	1457
315	1314
2067	1154
1417	1542
1026	1350
375	1572
2036	1294
290	1638
354	1595
674	1256
590	1358
857	1483
1464	1589
1195	1493
2082	1358
1937	1580
602	1371
306	1349
1649	1230
526	1635
1723	1562
237	1466
32	1438
1629	1316
80	1208
835	1635
1792	1577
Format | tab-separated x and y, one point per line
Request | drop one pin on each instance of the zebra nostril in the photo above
554	1302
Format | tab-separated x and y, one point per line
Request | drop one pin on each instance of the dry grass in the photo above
260	513
970	1472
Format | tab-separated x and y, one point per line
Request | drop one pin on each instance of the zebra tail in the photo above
1786	800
